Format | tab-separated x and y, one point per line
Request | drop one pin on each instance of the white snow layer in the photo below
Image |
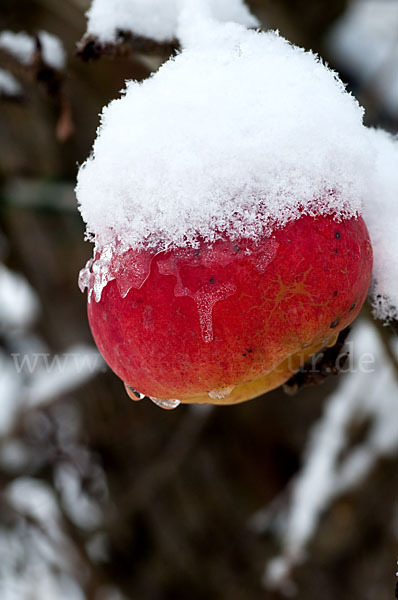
154	19
365	42
9	86
22	46
237	133
381	216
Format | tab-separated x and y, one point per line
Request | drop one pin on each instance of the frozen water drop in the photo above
123	285
95	275
85	276
133	394
131	270
208	293
221	393
264	255
205	300
166	404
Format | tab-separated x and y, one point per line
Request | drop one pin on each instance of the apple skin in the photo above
239	313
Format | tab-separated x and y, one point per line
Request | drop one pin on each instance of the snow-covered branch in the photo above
149	26
331	466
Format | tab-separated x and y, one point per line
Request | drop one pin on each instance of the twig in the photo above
330	361
91	48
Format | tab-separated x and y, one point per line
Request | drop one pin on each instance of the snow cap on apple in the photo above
381	216
224	196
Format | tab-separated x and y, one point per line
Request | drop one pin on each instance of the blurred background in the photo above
105	499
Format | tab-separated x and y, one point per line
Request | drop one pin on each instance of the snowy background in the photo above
104	499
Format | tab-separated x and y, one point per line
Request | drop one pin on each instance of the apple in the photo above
227	321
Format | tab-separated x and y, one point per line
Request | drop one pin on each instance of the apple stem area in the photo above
330	361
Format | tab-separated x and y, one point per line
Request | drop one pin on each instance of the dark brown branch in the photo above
127	43
49	78
329	361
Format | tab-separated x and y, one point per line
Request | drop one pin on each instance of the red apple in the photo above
227	321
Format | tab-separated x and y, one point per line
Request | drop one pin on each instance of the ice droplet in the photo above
133	394
206	296
96	274
205	300
85	276
221	393
130	269
166	404
264	254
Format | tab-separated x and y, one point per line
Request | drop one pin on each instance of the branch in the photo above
91	48
329	361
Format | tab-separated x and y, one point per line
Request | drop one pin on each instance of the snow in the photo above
364	42
381	216
24	574
19	305
19	45
22	46
53	51
9	393
14	456
34	377
30	496
239	133
154	19
36	561
9	86
83	511
368	391
30	375
54	375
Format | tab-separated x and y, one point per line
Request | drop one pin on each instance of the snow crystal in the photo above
9	86
240	132
381	216
22	46
154	19
364	41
